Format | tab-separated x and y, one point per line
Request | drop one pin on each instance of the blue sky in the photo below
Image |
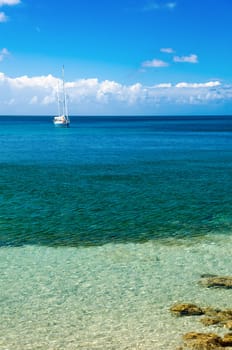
120	57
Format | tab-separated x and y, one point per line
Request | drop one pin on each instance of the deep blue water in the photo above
114	179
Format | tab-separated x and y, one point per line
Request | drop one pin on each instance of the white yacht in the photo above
62	119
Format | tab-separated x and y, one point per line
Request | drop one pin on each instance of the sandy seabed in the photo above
108	297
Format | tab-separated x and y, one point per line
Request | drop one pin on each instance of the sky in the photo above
124	57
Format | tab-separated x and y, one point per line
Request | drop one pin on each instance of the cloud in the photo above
153	6
34	100
163	85
170	5
154	63
209	84
167	50
38	95
160	63
3	53
3	17
9	2
23	82
189	59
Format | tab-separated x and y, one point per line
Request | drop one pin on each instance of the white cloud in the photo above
45	82
9	2
37	95
108	88
3	53
170	5
163	85
3	17
152	6
209	84
189	59
49	99
34	100
167	50
154	63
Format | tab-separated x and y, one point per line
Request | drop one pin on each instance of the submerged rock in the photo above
216	282
219	317
228	325
186	309
212	316
212	312
205	341
222	318
202	341
227	340
209	321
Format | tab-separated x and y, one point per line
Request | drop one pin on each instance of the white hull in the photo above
61	124
61	121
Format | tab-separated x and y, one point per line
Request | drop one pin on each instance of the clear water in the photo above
104	225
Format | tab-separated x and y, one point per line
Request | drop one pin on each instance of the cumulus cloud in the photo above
198	85
9	2
45	82
167	50
39	94
152	6
3	17
154	63
189	59
163	85
160	63
3	53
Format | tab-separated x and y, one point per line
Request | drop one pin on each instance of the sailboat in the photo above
62	120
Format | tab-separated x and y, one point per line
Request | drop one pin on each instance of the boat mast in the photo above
65	109
58	98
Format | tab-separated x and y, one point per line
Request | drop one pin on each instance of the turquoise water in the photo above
113	180
104	225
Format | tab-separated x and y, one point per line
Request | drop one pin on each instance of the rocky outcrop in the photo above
205	341
227	340
186	309
222	318
209	321
202	341
209	317
216	281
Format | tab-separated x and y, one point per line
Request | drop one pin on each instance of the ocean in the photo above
106	224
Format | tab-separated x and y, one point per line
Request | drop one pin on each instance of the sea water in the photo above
108	223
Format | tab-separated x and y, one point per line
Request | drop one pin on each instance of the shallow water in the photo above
107	297
105	225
